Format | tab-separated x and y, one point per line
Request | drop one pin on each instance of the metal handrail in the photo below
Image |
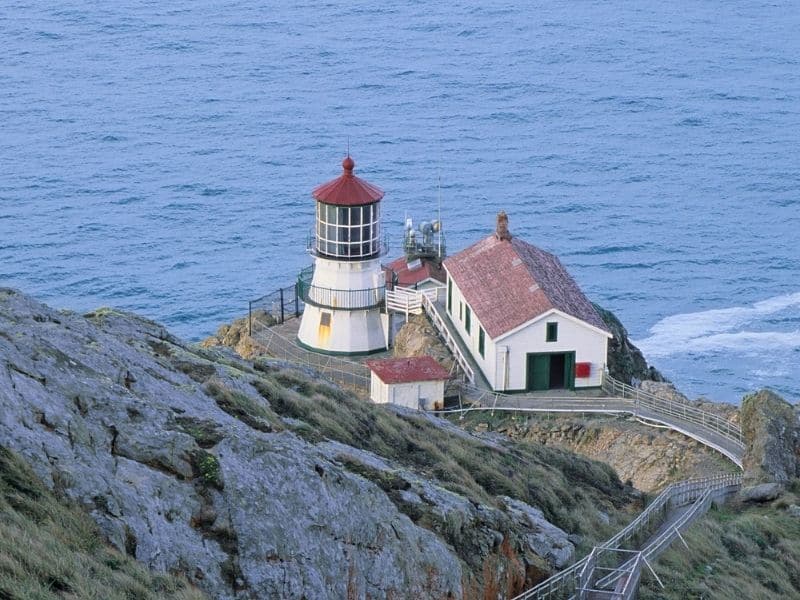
342	371
341	299
428	299
677	408
566	583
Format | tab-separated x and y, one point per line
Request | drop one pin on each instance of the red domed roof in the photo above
347	189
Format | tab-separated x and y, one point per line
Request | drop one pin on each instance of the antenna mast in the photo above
439	215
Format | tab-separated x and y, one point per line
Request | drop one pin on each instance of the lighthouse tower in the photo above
344	292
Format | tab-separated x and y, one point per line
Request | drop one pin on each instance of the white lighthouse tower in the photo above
344	292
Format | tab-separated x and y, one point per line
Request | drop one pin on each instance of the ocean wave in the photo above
723	329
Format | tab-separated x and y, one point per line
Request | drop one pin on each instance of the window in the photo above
348	231
460	311
552	332
449	296
481	341
325	319
467	318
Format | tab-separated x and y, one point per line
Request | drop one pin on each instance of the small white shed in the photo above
415	382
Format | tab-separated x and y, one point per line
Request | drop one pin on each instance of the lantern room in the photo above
348	217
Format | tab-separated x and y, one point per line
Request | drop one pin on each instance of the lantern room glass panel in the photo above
350	232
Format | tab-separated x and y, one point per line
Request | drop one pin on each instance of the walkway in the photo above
437	312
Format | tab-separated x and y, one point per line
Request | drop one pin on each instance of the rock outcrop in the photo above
237	335
418	337
625	361
771	430
198	463
646	457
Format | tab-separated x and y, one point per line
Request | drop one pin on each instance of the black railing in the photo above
341	299
280	305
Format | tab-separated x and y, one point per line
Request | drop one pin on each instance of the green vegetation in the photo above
564	486
735	551
51	549
241	406
206	433
207	466
197	371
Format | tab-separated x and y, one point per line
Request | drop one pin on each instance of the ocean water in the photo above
160	156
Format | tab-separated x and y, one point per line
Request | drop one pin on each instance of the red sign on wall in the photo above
583	369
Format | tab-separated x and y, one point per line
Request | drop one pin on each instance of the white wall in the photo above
407	394
487	362
573	336
350	331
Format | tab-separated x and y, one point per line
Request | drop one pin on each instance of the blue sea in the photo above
159	156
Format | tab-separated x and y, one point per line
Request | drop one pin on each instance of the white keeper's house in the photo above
523	318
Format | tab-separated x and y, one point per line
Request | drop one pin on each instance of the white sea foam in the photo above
722	329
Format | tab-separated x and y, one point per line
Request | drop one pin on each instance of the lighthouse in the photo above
344	291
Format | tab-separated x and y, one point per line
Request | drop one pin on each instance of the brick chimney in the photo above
502	233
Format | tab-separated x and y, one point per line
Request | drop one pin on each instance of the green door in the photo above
569	370
555	370
538	372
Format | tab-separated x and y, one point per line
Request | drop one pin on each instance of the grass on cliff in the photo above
748	552
566	487
51	549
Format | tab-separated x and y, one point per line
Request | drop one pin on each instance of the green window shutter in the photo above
450	296
552	332
481	341
467	318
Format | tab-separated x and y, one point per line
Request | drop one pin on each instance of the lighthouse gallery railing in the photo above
338	299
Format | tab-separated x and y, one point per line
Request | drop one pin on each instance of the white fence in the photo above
429	298
402	300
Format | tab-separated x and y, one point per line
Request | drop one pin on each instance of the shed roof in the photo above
347	189
408	370
406	276
508	282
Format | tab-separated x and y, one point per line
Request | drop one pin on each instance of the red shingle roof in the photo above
510	282
408	370
347	189
410	277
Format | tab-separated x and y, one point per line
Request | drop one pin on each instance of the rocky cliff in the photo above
258	481
771	428
625	361
646	457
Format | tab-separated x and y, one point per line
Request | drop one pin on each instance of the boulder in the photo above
763	492
418	337
771	432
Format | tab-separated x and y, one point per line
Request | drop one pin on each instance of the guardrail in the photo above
705	427
341	299
682	410
408	302
567	583
429	298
